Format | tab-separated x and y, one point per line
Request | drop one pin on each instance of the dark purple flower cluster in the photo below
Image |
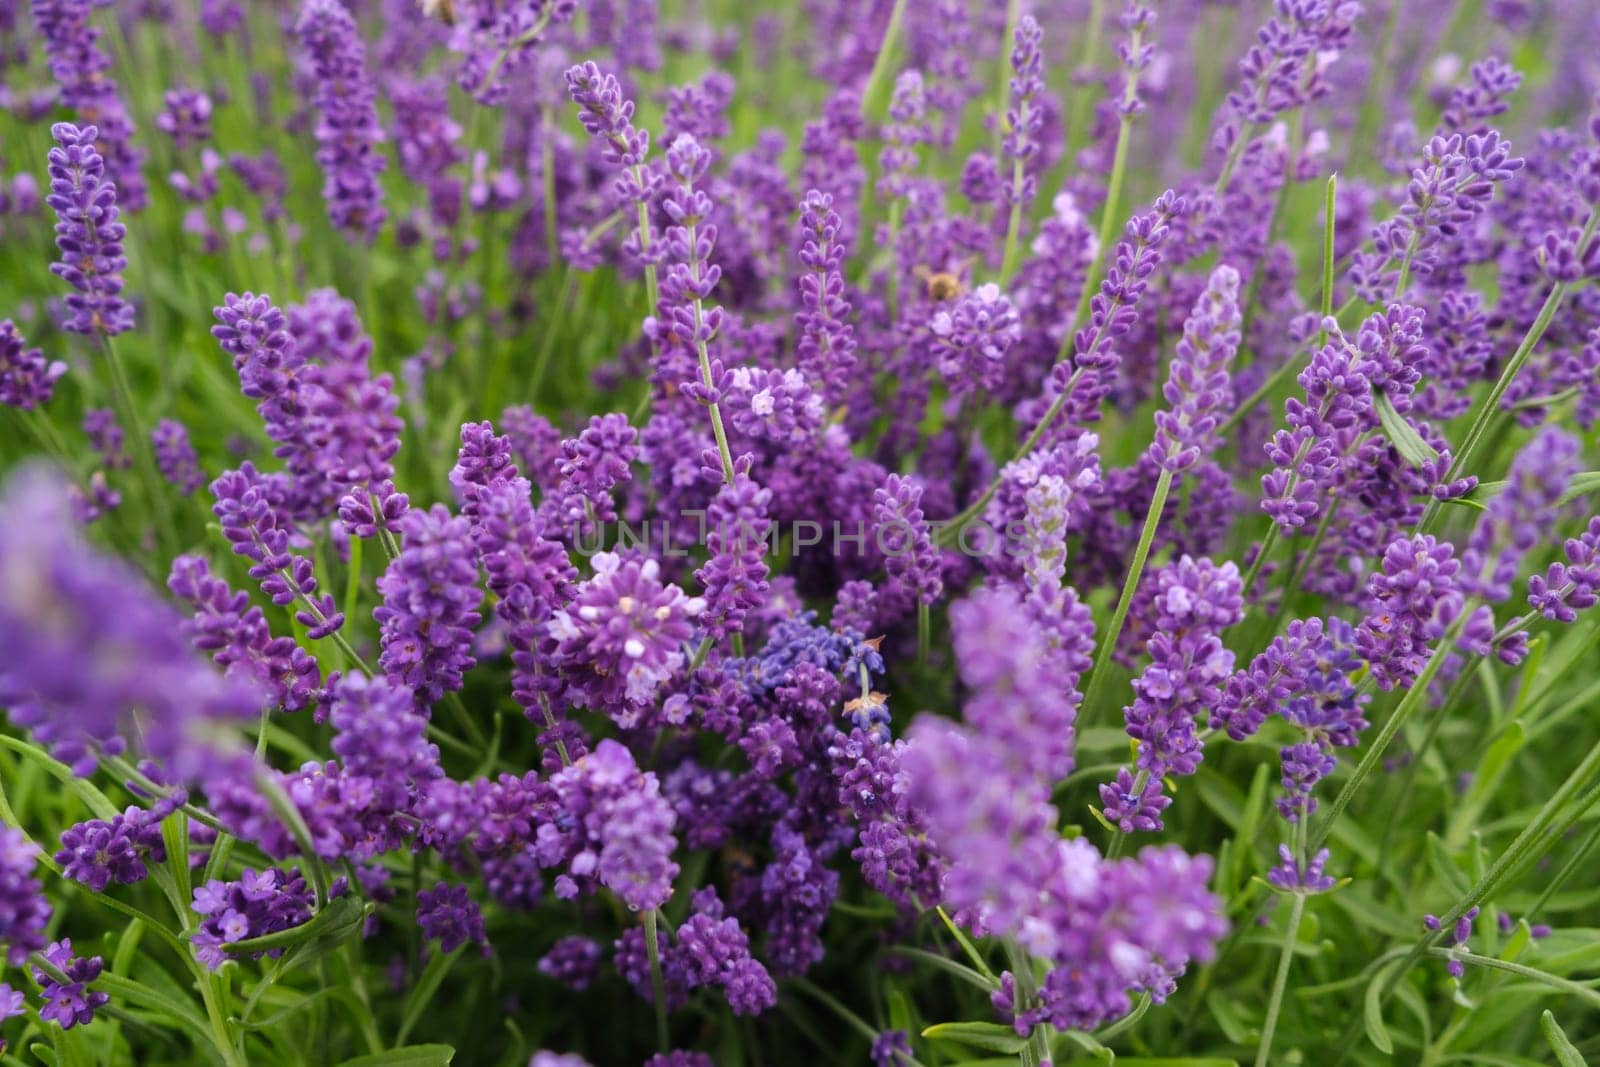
347	129
176	458
430	599
27	379
23	908
70	1003
256	905
446	914
616	829
99	852
236	634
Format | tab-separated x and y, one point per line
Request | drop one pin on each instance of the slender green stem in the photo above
1566	872
1109	220
658	985
1281	981
873	94
1327	255
1108	643
1489	406
1082	100
143	448
1413	699
924	630
1268	541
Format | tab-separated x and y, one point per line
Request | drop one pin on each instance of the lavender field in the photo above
688	533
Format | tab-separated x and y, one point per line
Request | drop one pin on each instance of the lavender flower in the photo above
105	436
735	576
27	379
254	906
81	68
1571	586
247	509
573	961
713	949
186	118
23	908
619	827
1409	603
238	638
94	653
88	234
1195	601
71	1003
826	349
971	339
97	853
449	916
1025	117
1199	387
623	635
348	133
430	597
901	534
1517	519
1290	877
175	456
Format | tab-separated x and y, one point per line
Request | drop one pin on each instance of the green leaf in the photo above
1372	1015
1566	1053
1175	1061
406	1056
1226	1015
427	985
177	1011
341	917
991	1037
92	798
1581	485
1398	429
947	965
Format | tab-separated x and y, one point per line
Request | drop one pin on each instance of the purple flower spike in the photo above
430	600
27	379
1199	386
348	133
87	234
71	1003
24	911
449	916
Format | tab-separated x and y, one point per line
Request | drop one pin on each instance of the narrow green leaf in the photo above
427	985
1372	1015
341	917
1581	485
408	1056
992	1037
1566	1053
92	798
947	965
1398	429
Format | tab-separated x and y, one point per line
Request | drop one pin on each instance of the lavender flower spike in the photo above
1198	386
348	132
87	233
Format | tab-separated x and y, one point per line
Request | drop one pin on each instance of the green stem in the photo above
142	446
1108	215
1281	981
658	985
873	92
1108	643
1489	407
1413	699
